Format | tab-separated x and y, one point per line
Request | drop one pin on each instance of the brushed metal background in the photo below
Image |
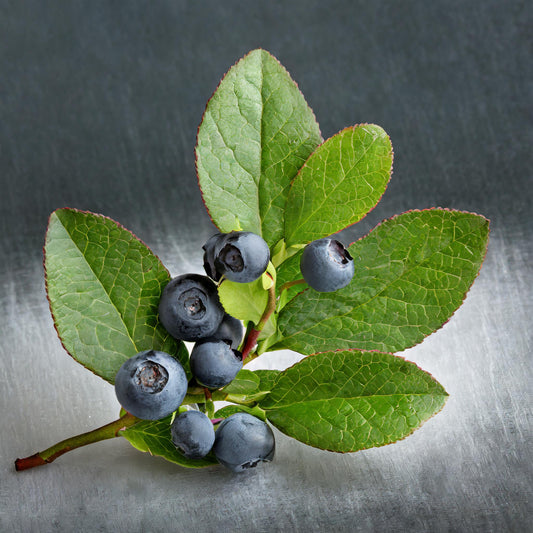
99	105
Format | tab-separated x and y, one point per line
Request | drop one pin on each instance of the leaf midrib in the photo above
129	333
352	398
337	185
261	136
405	272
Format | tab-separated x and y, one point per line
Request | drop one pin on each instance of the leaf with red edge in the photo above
352	400
339	184
104	286
411	273
256	133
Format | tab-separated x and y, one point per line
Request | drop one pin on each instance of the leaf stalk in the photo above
290	284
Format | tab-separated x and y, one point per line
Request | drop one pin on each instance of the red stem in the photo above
253	334
250	343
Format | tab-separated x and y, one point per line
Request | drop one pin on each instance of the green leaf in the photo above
289	271
268	278
154	437
256	133
229	410
411	273
339	183
352	400
104	286
245	382
244	301
267	378
247	301
250	385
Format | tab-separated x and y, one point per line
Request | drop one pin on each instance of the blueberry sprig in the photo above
276	278
190	310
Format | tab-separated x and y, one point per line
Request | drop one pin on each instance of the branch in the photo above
251	339
51	454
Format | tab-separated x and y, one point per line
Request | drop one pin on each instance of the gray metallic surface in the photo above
99	105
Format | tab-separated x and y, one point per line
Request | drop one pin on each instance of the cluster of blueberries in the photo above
152	384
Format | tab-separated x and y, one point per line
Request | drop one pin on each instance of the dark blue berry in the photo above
209	256
193	434
214	364
242	441
240	256
326	265
151	385
189	308
230	331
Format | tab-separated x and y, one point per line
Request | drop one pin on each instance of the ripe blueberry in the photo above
189	308
214	364
326	265
230	331
242	441
209	256
240	256
193	434
151	385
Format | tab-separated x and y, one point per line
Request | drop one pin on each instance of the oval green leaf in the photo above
339	184
256	133
244	301
411	273
229	410
352	400
104	285
250	385
245	382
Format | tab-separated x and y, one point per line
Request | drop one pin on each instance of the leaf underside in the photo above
352	400
256	133
411	273
104	286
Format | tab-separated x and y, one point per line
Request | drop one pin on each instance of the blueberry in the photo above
214	364
326	265
209	256
240	256
189	308
193	434
242	441
151	385
230	331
